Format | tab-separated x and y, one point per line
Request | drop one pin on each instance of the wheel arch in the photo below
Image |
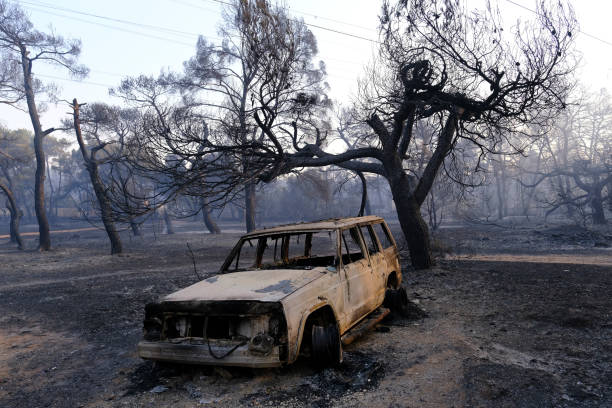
393	280
325	312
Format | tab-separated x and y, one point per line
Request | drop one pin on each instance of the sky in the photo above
132	37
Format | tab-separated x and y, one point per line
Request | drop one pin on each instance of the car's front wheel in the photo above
326	345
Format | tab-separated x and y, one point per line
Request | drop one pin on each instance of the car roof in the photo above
324	225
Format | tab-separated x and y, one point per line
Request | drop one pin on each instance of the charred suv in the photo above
283	291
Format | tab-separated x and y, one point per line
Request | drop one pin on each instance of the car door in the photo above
378	264
357	275
388	247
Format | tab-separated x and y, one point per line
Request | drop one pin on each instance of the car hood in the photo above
269	285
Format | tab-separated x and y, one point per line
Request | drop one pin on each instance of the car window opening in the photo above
299	250
353	251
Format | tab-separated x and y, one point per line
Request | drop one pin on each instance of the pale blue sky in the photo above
112	49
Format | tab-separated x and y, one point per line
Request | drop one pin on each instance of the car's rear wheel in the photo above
326	345
397	301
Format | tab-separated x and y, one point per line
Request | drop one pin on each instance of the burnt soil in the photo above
517	317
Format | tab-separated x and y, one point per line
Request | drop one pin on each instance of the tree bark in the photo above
16	215
249	204
412	223
51	198
364	193
44	240
91	165
212	226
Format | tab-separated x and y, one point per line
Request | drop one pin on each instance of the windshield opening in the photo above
300	250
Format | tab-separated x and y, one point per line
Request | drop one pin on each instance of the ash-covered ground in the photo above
518	316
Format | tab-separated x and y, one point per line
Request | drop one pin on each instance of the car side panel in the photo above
326	290
359	291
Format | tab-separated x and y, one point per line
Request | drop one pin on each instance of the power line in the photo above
29	6
580	31
113	19
305	14
75	80
317	26
112	27
332	20
35	6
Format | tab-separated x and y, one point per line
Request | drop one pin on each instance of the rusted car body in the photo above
282	291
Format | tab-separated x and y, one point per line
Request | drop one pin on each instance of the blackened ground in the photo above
518	317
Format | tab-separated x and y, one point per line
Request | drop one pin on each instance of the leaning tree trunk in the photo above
412	223
16	214
44	241
212	226
249	203
91	165
364	194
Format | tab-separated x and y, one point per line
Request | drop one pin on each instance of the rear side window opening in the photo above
383	235
352	250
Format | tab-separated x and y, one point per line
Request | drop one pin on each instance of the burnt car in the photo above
285	291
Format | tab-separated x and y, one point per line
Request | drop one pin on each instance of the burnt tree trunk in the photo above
250	206
364	194
16	215
408	198
412	223
51	198
91	165
44	240
212	226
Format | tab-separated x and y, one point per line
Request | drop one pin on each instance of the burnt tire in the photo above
397	301
326	345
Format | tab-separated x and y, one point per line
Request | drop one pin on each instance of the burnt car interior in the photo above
285	251
352	248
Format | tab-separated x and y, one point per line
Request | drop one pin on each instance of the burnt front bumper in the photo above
198	353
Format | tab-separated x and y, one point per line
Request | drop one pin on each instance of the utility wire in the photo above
75	80
36	7
112	27
303	13
332	20
113	19
580	31
31	7
317	26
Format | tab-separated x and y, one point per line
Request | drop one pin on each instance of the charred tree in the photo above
364	194
23	45
92	165
451	71
15	213
250	206
211	225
